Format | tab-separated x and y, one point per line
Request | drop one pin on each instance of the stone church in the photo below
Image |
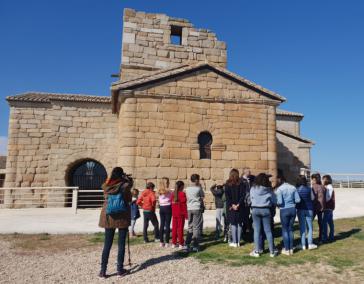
174	110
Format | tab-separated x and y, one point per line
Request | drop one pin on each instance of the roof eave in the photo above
134	83
299	138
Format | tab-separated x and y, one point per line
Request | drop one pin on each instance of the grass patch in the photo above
346	252
98	238
46	243
39	243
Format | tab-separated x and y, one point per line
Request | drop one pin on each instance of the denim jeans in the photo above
219	221
109	237
328	220
262	215
236	233
150	216
132	225
305	219
226	227
319	222
263	237
287	220
165	213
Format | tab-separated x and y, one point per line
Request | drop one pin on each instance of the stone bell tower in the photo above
153	42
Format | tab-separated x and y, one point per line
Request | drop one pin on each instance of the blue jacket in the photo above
262	197
307	197
287	196
134	211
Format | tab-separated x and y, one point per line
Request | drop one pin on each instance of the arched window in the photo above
205	141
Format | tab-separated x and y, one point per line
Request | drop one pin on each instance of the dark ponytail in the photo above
179	187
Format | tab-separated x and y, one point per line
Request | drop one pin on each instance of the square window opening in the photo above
176	35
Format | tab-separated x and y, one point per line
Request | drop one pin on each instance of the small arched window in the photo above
205	142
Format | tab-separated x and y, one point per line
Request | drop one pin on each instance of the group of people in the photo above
250	202
244	204
175	205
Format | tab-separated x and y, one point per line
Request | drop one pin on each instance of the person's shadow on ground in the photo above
153	261
344	235
209	240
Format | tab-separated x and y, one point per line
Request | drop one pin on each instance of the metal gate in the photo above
89	175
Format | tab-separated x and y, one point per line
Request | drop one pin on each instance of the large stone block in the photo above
146	173
170	172
180	153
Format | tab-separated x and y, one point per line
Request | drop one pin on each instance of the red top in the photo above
179	208
147	200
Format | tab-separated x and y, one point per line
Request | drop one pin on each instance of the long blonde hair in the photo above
163	186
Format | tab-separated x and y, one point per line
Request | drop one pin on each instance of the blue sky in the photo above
311	52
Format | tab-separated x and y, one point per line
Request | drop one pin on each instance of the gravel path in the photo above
150	265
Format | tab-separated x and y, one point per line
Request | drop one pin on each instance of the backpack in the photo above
116	204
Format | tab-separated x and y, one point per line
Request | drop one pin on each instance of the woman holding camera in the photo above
118	183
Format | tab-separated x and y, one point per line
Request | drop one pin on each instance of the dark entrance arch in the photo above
88	174
205	141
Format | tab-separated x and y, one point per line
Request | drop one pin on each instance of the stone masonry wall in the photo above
46	139
289	123
158	133
146	44
292	156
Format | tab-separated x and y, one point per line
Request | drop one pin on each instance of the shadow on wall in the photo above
288	163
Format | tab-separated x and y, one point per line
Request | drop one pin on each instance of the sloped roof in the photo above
189	68
48	97
296	137
289	113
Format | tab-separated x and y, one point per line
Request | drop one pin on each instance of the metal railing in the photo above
345	180
348	184
83	198
50	197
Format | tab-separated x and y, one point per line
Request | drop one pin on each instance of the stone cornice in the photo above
141	94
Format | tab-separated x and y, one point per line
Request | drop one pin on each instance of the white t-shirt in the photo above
329	191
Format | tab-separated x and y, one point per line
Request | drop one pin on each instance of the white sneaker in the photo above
291	252
166	245
183	247
161	245
313	246
302	247
231	245
254	254
285	252
174	246
274	254
238	245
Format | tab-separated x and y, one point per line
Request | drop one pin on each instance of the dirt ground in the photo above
74	259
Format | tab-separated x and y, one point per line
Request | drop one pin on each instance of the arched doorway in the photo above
88	175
